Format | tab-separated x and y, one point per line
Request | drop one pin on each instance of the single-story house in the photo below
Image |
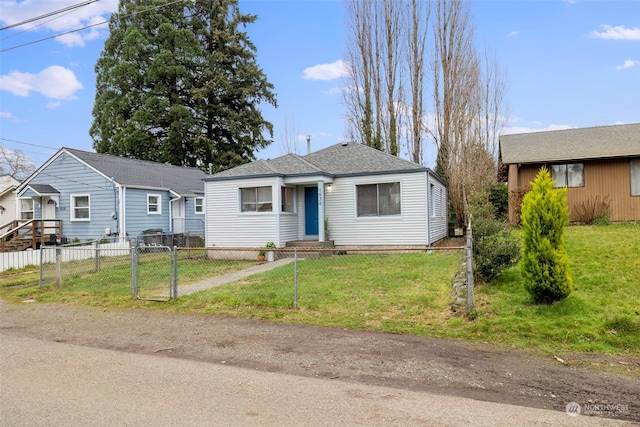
99	194
7	200
595	164
349	194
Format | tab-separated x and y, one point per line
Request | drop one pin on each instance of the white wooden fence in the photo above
22	259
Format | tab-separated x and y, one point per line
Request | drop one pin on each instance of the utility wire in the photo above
27	143
89	26
46	15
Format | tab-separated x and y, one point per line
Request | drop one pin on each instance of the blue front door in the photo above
311	211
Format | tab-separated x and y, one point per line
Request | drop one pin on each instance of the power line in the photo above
46	15
27	143
89	26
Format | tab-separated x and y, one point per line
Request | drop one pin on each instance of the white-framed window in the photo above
154	204
378	199
80	207
568	175
26	208
256	199
287	199
199	205
635	177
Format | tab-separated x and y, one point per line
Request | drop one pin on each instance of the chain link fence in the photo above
287	277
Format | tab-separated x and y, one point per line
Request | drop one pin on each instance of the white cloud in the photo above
334	91
9	116
628	64
512	34
14	11
54	82
331	71
54	104
522	129
619	32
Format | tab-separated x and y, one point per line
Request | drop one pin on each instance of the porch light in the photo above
329	187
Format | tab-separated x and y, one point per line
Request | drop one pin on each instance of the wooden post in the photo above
469	265
59	267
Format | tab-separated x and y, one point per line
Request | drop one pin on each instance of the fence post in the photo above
295	278
134	269
469	265
41	251
174	288
59	267
97	252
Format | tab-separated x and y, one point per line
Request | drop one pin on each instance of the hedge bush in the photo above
545	264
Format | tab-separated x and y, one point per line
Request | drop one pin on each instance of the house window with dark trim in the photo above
378	199
287	199
26	209
568	175
80	207
256	199
432	199
154	206
199	206
635	177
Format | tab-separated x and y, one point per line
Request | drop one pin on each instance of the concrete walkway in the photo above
231	277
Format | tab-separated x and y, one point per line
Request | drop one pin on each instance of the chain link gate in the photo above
154	272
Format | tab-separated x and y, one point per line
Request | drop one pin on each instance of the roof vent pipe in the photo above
308	137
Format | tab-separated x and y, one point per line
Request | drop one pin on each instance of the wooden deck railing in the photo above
29	234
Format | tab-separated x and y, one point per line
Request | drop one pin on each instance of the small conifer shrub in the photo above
545	264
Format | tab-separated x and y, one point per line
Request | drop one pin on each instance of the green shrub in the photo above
545	264
499	198
495	248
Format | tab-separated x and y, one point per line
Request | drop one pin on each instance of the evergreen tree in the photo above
545	264
178	83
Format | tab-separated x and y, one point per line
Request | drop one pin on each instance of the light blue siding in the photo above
137	218
70	177
194	223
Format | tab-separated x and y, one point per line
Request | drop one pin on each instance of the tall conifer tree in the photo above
178	83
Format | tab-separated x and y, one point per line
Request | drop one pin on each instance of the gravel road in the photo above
324	374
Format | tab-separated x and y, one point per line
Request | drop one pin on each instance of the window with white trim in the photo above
256	199
432	199
80	207
568	175
287	199
154	204
199	206
635	177
378	199
26	208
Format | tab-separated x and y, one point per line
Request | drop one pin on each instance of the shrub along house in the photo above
600	166
91	195
363	196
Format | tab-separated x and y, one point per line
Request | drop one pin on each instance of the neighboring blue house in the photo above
363	196
98	194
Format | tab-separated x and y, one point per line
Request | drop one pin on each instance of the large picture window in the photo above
378	199
568	175
80	207
154	206
635	177
256	199
26	209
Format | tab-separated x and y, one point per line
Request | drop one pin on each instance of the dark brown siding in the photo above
602	178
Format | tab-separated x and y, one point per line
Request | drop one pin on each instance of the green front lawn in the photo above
409	293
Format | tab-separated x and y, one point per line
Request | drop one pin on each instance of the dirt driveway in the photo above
478	371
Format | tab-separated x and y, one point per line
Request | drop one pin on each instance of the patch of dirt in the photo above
478	371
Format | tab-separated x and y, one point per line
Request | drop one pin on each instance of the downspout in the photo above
122	222
171	213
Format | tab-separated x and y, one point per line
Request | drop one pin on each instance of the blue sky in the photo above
569	64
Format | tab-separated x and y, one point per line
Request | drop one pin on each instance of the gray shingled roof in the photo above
338	160
43	189
139	173
571	144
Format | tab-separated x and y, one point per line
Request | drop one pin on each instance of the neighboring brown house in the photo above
594	163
